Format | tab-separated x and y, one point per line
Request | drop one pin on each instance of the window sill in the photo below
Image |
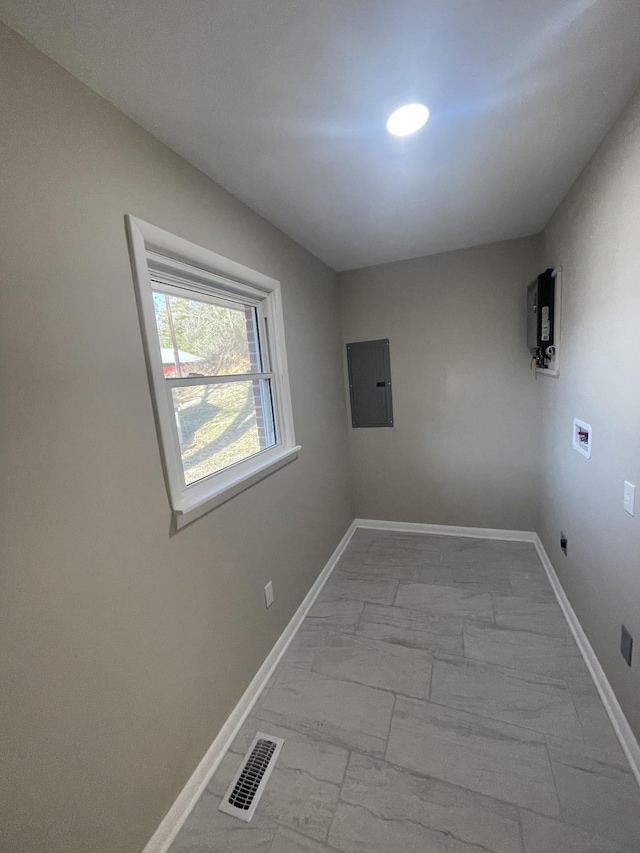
191	510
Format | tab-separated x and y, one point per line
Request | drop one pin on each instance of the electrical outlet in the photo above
629	497
563	543
626	645
268	594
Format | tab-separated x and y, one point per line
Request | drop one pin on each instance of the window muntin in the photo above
194	283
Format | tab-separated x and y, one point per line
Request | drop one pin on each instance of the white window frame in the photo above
160	255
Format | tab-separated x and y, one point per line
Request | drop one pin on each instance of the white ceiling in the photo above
284	103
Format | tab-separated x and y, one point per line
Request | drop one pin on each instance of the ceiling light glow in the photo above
407	119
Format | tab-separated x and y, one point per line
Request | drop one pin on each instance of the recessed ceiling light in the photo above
407	119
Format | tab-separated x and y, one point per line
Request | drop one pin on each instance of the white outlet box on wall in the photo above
582	437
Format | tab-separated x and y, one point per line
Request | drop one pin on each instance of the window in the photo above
214	342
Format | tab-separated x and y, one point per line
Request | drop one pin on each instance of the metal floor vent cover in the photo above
244	792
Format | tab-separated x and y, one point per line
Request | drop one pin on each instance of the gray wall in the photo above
464	449
123	650
595	238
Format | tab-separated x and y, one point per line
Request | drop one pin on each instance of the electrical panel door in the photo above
540	310
370	383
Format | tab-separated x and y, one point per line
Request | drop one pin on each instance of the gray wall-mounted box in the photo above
370	383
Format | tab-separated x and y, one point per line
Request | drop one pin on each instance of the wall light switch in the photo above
629	497
268	594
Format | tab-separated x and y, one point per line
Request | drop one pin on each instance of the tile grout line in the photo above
585	740
521	829
393	711
541	736
541	739
433	666
508	803
340	799
555	783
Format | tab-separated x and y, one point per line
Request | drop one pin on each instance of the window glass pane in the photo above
220	424
200	338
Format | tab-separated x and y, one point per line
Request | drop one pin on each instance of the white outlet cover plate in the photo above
629	497
268	594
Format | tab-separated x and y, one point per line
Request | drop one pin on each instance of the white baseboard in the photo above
163	837
447	530
619	722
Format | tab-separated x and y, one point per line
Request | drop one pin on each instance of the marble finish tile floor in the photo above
433	701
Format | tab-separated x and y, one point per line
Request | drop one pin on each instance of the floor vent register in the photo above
244	792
